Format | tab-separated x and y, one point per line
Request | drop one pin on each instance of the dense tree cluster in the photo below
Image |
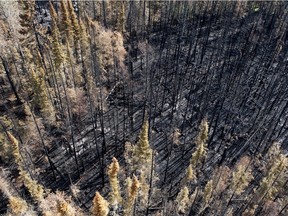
143	108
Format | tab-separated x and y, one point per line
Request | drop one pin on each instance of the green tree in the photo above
66	25
57	48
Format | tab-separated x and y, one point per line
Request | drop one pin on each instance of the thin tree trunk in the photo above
8	73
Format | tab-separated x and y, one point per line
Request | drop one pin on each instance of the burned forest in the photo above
140	108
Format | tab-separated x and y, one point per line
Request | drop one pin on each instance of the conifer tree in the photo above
183	200
5	148
15	149
202	136
100	206
16	205
84	40
142	153
66	25
132	192
70	77
275	177
242	176
201	145
36	190
55	38
273	182
75	28
142	162
27	21
190	173
65	209
59	204
85	57
208	192
74	21
41	100
115	196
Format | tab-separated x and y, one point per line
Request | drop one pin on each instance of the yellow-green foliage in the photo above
73	76
202	136
242	176
128	154
40	99
275	175
208	191
100	206
273	155
142	159
58	204
273	182
57	48
66	25
15	149
84	37
36	190
201	145
142	153
64	209
198	155
74	21
26	21
182	199
190	174
144	186
5	148
37	85
113	170
17	206
132	192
